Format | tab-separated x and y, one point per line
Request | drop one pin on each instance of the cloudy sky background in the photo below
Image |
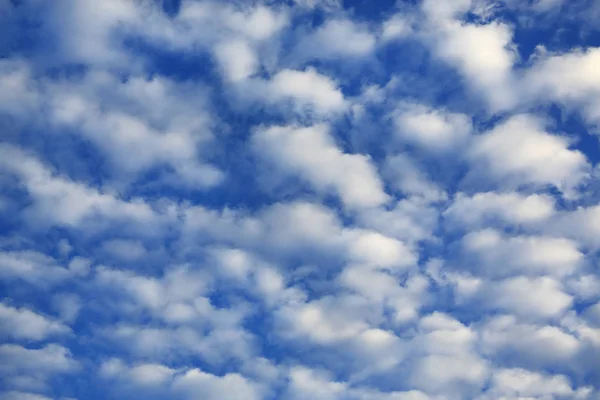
308	199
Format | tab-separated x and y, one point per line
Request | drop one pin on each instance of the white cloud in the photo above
360	277
581	224
317	384
24	324
407	176
29	369
216	337
180	383
376	250
150	374
397	27
431	129
124	249
440	333
336	38
495	255
384	289
506	208
481	52
528	345
143	124
307	89
237	60
252	274
449	363
64	248
297	229
91	36
410	220
327	320
138	375
196	383
258	23
568	76
18	93
197	25
312	153
306	383
67	305
519	152
520	383
179	287
571	78
32	267
325	4
529	297
14	395
593	313
58	200
442	374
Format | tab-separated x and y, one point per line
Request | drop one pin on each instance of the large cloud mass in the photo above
307	199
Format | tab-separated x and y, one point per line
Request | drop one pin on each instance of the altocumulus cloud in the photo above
300	199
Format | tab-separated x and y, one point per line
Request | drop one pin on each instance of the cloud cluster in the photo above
308	199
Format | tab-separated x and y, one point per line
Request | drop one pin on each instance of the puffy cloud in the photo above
58	200
431	129
14	395
297	229
528	345
397	27
237	59
33	267
519	383
307	383
403	298
529	297
481	52
91	42
336	38
182	383
24	324
329	220
144	124
568	76
196	25
581	224
176	296
308	89
258	23
317	384
124	249
497	256
374	249
312	153
196	383
15	79
67	306
410	220
571	78
449	363
139	375
216	338
30	369
520	152
329	319
408	177
505	208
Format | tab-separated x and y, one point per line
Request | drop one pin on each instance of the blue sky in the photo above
302	199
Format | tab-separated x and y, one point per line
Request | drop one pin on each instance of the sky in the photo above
299	200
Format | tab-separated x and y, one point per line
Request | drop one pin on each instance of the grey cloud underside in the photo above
299	219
